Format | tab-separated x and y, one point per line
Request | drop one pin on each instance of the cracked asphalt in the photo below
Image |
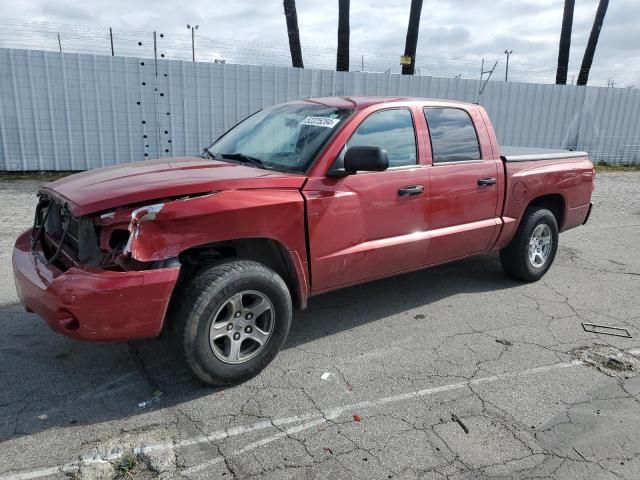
368	383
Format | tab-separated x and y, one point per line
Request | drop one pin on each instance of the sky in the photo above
454	35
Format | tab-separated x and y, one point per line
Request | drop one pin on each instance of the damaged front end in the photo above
65	240
119	232
106	240
81	273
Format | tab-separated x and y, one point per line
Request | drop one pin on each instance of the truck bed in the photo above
526	154
562	176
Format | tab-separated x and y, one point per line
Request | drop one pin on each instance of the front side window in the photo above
453	137
391	130
285	137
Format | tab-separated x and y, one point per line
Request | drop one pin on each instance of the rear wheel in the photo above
533	248
231	320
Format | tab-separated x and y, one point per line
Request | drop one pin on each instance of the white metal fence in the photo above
78	111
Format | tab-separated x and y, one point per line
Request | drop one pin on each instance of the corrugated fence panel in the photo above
76	111
609	125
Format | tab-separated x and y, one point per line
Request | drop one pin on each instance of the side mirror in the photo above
368	159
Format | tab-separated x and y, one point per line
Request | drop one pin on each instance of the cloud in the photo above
451	36
454	34
66	11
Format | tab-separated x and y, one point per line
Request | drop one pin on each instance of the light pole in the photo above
506	72
193	40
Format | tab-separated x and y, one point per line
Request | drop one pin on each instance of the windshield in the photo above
284	137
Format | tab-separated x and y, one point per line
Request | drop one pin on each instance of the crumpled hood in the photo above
131	183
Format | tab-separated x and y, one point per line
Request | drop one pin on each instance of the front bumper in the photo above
90	303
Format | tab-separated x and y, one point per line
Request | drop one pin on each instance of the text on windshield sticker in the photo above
321	121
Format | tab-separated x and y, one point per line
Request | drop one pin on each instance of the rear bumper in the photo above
90	303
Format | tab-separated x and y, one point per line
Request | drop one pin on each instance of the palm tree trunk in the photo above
342	60
411	43
590	51
293	32
565	42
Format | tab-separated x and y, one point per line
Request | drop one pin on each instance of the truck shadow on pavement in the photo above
51	381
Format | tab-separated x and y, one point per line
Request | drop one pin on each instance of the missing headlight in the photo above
118	239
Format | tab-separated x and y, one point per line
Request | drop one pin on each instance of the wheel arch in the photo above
555	203
267	251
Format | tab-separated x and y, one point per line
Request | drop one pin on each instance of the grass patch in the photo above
605	167
33	176
126	466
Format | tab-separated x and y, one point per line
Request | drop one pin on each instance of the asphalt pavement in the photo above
455	372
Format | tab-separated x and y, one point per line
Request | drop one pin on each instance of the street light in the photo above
506	72
193	40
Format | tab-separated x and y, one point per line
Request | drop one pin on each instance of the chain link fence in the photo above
203	46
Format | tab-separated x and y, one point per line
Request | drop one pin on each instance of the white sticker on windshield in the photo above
320	121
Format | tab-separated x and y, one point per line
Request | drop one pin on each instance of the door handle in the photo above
485	182
411	190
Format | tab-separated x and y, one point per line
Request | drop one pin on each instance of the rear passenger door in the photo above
463	186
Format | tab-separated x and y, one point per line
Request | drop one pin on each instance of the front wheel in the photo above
231	320
533	248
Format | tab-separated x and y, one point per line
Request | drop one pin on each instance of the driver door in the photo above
370	224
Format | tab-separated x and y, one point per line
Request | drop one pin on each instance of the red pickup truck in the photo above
296	200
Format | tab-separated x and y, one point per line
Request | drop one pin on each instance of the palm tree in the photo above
293	32
342	60
565	42
590	51
411	43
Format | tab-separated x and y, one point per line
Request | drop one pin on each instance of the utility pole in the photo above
59	43
362	65
193	40
111	38
506	71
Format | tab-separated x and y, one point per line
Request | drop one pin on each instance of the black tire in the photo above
515	257
199	301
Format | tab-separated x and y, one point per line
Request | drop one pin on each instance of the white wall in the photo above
77	111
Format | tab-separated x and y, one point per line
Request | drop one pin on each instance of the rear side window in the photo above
391	130
453	137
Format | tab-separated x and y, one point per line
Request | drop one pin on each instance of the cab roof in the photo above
359	103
